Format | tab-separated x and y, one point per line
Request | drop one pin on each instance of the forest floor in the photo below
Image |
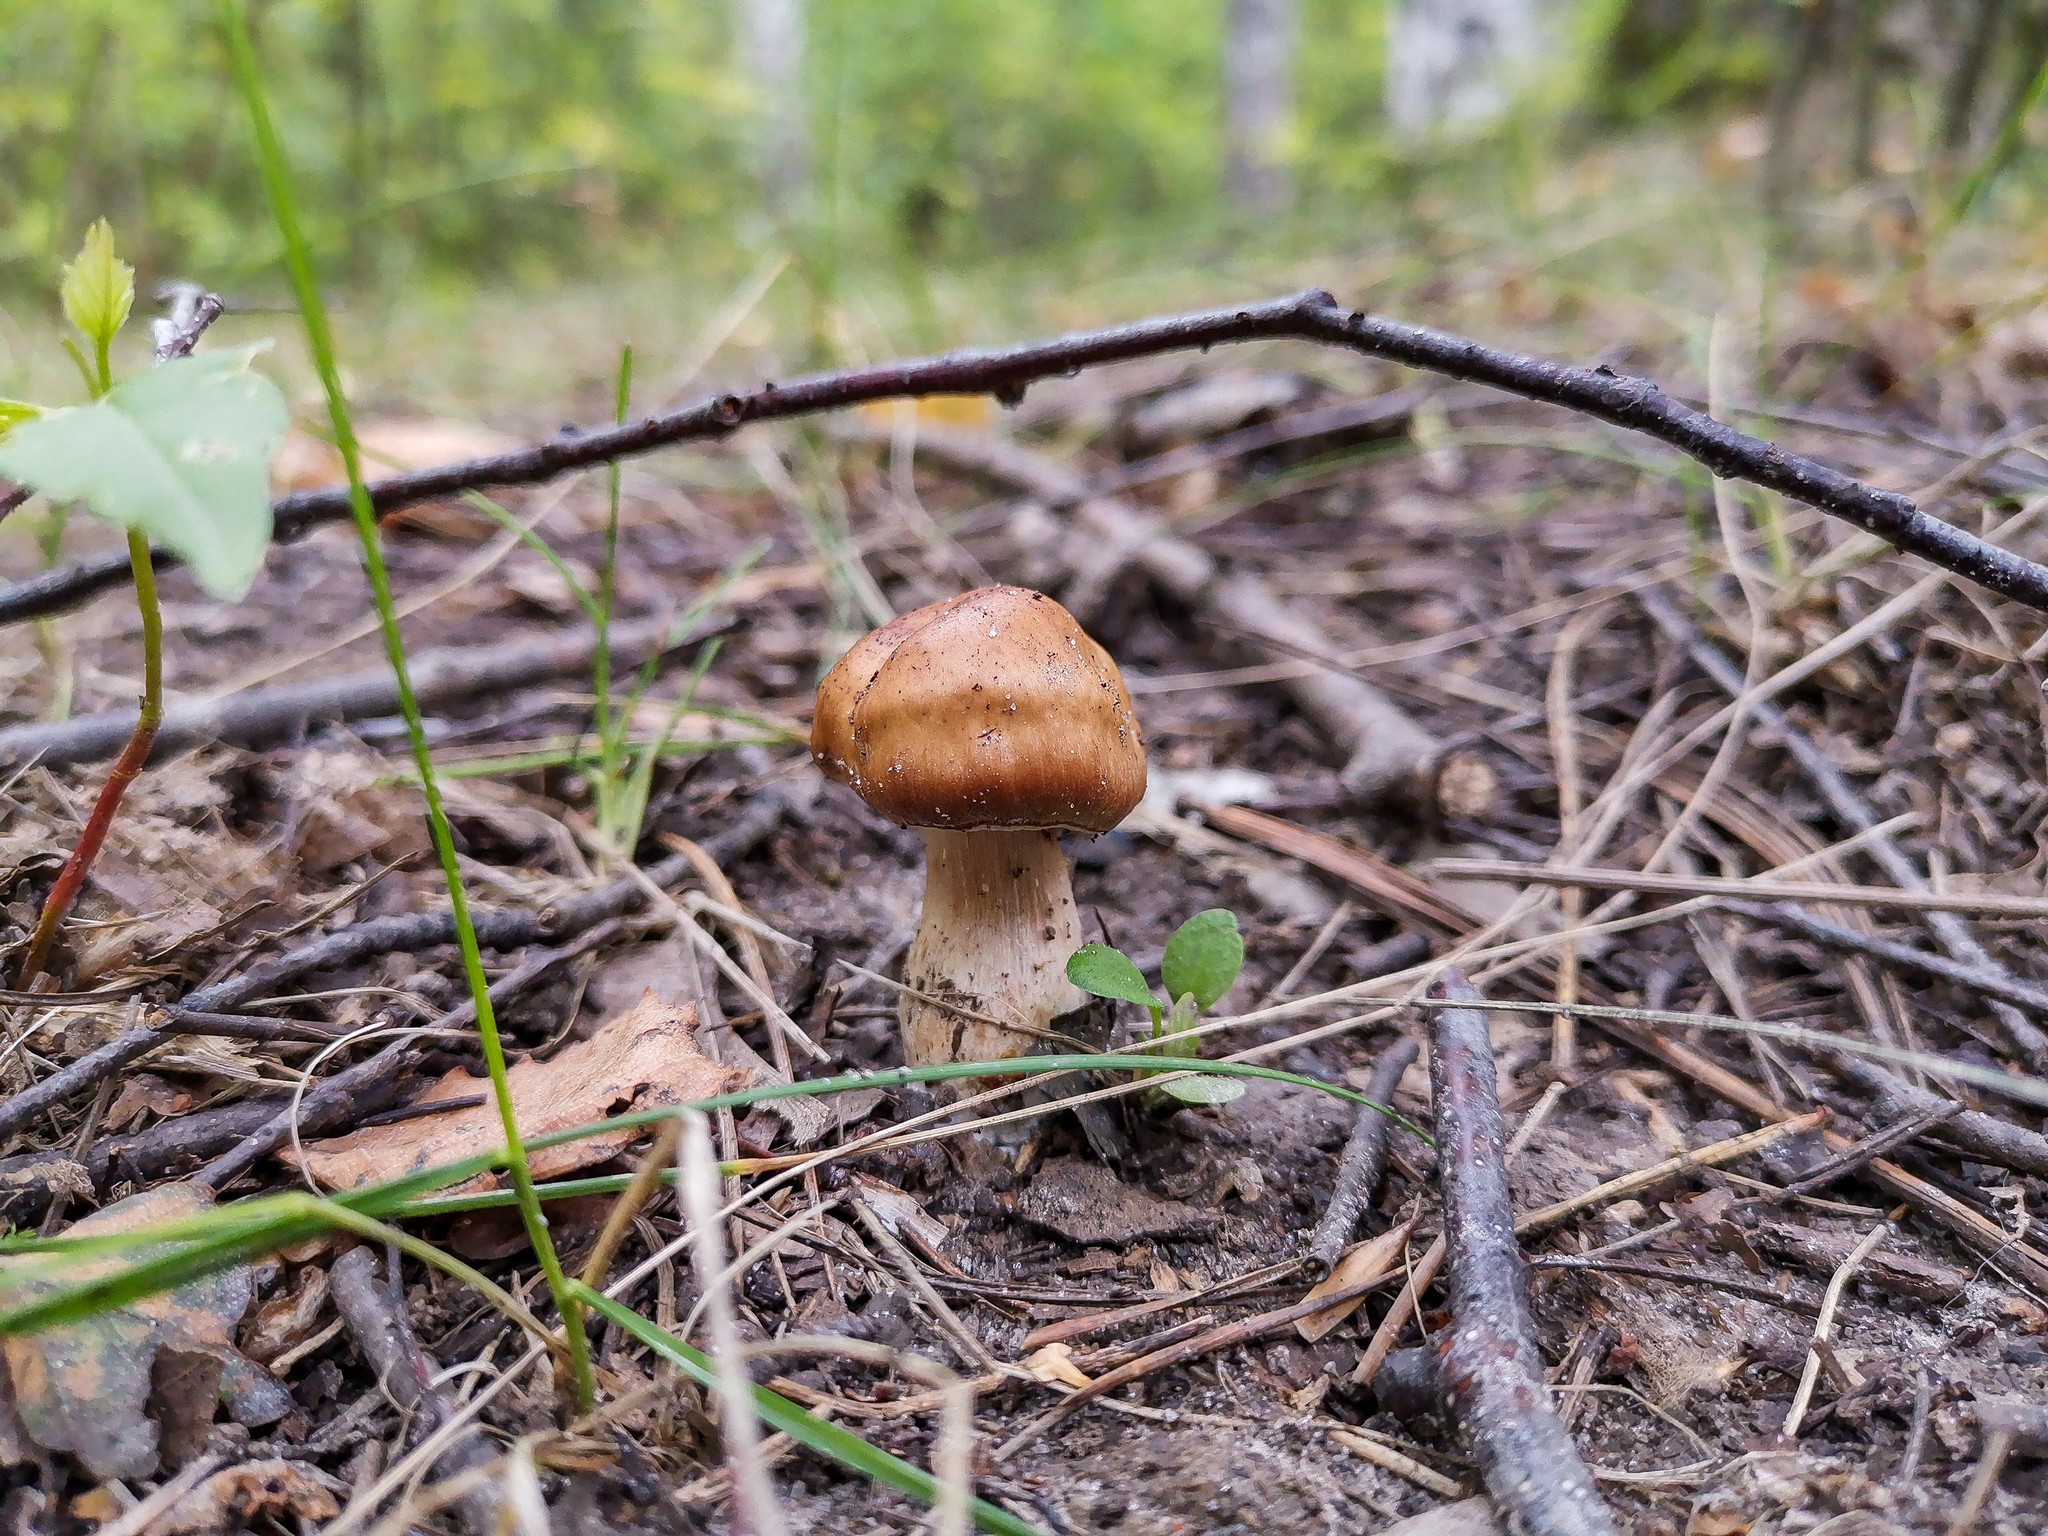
1530	594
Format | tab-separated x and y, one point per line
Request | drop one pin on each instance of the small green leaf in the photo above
1109	972
14	412
1204	1090
1203	957
1172	1032
98	288
181	452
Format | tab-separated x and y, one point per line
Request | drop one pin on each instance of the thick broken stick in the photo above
1005	372
1984	1137
1991	983
1492	1372
1849	808
259	717
1365	1160
1385	748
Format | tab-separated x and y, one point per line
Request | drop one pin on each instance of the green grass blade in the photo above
248	76
608	586
806	1428
532	540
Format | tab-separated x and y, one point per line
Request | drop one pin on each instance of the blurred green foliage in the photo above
508	138
523	141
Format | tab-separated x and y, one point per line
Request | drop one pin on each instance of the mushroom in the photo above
992	722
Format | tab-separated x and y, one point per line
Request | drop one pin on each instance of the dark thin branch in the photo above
1365	1160
1755	1290
327	1105
373	1307
2032	1046
1492	1373
1006	372
1880	1143
1986	1138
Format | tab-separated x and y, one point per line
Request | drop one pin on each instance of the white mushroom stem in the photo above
998	925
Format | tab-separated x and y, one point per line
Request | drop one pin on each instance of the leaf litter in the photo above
645	1058
1461	568
86	1388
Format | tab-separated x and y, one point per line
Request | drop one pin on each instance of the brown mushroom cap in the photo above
990	709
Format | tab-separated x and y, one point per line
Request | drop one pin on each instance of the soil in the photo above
1456	568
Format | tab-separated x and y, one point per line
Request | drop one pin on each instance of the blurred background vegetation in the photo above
446	147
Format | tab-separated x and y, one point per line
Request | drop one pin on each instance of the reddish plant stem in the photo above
71	878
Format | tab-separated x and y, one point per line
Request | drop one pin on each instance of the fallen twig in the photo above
371	1306
1752	887
1985	1137
1809	1377
1005	372
1366	1448
1365	1160
284	711
1733	1285
1991	983
1492	1372
1877	1144
1223	1336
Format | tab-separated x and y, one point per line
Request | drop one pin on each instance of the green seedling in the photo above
1202	961
620	769
178	454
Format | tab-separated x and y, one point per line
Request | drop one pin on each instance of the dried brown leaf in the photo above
84	1387
645	1058
142	1093
286	1321
252	1494
1365	1263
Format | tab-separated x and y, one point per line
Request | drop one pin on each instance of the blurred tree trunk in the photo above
354	62
1454	63
771	38
1966	77
1258	104
1803	45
